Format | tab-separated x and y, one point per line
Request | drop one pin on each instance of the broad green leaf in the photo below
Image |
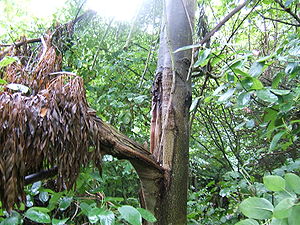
202	57
44	196
59	222
106	218
274	183
147	215
85	208
294	218
257	84
65	202
14	219
283	208
227	95
130	214
266	95
257	208
7	60
275	140
18	87
247	222
293	182
35	187
280	92
94	213
279	222
247	83
243	99
256	69
54	200
238	71
37	215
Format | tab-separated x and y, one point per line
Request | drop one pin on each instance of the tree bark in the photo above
170	110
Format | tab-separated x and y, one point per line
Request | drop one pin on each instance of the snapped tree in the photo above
40	128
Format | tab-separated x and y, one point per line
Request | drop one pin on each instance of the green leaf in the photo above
243	99
256	69
265	58
294	218
277	79
147	215
18	87
227	95
267	96
275	140
93	214
247	83
85	208
106	218
65	202
283	208
14	219
247	222
38	215
130	214
194	104
257	208
202	57
274	183
54	200
292	68
257	84
44	196
293	182
219	89
35	187
3	81
7	60
187	48
279	222
280	92
59	222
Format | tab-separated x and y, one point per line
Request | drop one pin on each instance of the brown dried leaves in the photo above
52	127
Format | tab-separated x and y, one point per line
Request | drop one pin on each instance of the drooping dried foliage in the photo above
51	126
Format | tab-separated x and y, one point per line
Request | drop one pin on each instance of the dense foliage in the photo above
244	160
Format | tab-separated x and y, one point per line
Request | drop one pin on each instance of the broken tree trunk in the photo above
170	109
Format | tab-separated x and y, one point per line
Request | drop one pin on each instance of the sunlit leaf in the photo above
256	69
7	60
284	208
274	183
38	214
130	214
147	215
247	222
275	140
257	208
293	182
266	95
